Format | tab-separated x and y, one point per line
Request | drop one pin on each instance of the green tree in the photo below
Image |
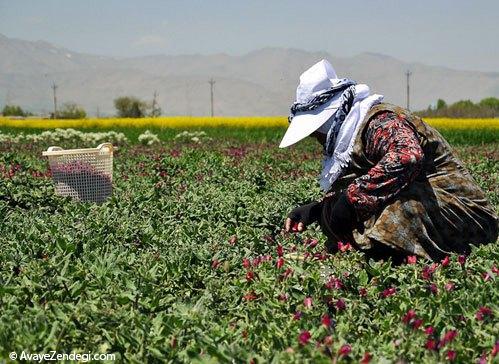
70	110
441	104
491	102
130	107
13	110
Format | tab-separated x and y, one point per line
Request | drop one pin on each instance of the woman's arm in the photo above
393	143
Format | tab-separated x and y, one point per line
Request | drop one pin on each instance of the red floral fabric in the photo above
391	143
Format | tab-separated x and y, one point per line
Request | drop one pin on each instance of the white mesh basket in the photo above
83	174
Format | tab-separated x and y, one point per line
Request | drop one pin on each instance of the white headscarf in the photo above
334	165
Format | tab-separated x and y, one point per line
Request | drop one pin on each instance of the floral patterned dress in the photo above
410	193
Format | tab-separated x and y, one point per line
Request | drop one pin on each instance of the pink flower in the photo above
451	355
449	286
495	349
307	302
446	261
483	359
250	296
495	270
389	292
280	250
345	350
334	283
411	314
215	263
297	315
484	312
431	344
486	276
326	320
461	259
320	256
340	305
246	263
250	276
362	292
283	297
366	358
433	288
428	271
429	330
280	262
257	261
412	259
175	153
416	324
233	240
343	247
304	337
449	336
311	243
288	272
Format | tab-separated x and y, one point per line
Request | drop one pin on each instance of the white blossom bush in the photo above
148	138
192	136
66	135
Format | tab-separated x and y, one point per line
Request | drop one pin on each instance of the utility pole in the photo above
154	110
408	74
54	88
211	82
98	112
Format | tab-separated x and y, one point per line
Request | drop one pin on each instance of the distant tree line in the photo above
69	110
486	108
14	110
126	107
133	107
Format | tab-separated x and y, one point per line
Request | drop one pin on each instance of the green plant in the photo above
71	110
187	262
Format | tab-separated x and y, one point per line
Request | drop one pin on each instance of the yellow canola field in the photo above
203	121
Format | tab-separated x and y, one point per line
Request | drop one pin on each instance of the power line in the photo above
211	82
54	88
408	74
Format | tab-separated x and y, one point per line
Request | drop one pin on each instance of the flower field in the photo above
219	121
187	261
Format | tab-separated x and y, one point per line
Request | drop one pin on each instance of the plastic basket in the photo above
83	174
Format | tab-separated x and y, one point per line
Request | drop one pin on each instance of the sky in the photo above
454	33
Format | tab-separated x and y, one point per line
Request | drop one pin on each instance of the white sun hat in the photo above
314	81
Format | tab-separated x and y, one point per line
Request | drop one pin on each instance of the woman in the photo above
394	186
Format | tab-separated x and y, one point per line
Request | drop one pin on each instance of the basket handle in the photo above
106	147
53	149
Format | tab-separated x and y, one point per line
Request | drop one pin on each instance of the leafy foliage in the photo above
187	262
486	108
130	107
71	110
13	110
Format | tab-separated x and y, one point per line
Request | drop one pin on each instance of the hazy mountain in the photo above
262	82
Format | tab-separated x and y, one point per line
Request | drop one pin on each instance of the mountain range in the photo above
262	82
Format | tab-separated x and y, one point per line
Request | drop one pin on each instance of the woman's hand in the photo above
302	216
